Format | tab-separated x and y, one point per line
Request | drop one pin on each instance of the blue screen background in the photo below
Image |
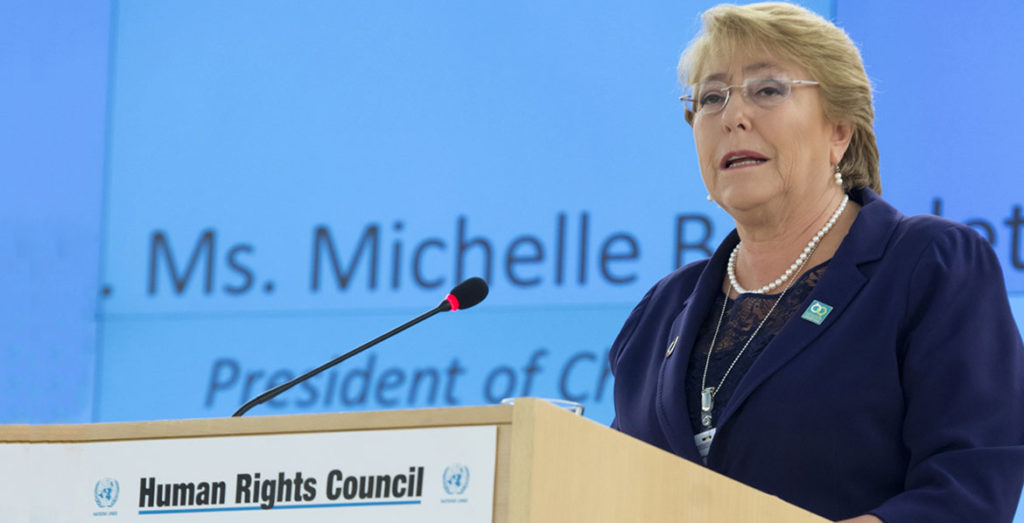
179	175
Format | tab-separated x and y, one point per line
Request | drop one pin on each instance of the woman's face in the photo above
756	159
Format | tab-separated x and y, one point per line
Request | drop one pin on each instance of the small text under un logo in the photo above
106	491
456	479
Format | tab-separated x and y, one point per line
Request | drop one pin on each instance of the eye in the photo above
769	91
767	88
712	98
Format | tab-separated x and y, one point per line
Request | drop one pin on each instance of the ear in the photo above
842	133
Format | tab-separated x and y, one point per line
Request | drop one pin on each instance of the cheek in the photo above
794	150
706	148
803	156
708	169
807	142
788	153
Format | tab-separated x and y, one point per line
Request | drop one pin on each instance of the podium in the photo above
527	462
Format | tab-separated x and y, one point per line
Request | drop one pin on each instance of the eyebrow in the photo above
746	70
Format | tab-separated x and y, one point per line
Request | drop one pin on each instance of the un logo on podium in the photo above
456	479
106	491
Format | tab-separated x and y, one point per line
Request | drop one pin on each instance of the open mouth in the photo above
738	159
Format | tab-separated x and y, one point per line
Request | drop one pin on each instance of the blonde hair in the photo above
798	35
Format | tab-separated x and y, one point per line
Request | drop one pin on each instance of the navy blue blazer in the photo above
907	402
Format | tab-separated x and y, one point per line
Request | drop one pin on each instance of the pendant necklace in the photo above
707	394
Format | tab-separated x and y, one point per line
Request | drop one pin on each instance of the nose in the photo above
736	111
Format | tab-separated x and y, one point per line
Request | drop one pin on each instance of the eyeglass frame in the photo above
728	91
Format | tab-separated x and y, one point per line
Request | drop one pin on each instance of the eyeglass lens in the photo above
763	92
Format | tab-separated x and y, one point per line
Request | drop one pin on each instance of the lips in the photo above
738	159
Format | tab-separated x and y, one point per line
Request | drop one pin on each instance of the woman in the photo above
833	352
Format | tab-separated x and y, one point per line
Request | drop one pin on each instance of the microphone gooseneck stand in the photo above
463	296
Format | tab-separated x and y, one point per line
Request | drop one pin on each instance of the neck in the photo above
770	246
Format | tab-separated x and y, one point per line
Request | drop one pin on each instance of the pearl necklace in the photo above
707	394
800	260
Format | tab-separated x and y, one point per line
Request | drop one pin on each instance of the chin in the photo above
742	199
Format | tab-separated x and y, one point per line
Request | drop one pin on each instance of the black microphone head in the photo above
466	294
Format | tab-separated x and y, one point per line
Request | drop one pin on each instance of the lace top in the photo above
742	316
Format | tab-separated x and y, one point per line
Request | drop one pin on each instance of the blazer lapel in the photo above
842	281
671	402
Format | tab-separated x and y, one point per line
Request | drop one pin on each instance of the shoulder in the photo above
943	270
932	242
927	229
672	290
679	281
662	299
906	239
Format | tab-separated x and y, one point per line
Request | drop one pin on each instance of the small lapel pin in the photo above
816	312
671	347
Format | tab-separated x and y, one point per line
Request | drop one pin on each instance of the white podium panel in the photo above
443	474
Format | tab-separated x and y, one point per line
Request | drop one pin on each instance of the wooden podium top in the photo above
304	423
550	465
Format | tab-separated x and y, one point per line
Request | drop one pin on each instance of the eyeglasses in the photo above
766	92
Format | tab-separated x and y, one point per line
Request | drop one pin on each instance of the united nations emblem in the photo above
106	491
456	479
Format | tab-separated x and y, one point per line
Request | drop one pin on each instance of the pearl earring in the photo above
710	199
839	176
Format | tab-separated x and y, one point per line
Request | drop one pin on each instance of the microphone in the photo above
466	294
463	296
